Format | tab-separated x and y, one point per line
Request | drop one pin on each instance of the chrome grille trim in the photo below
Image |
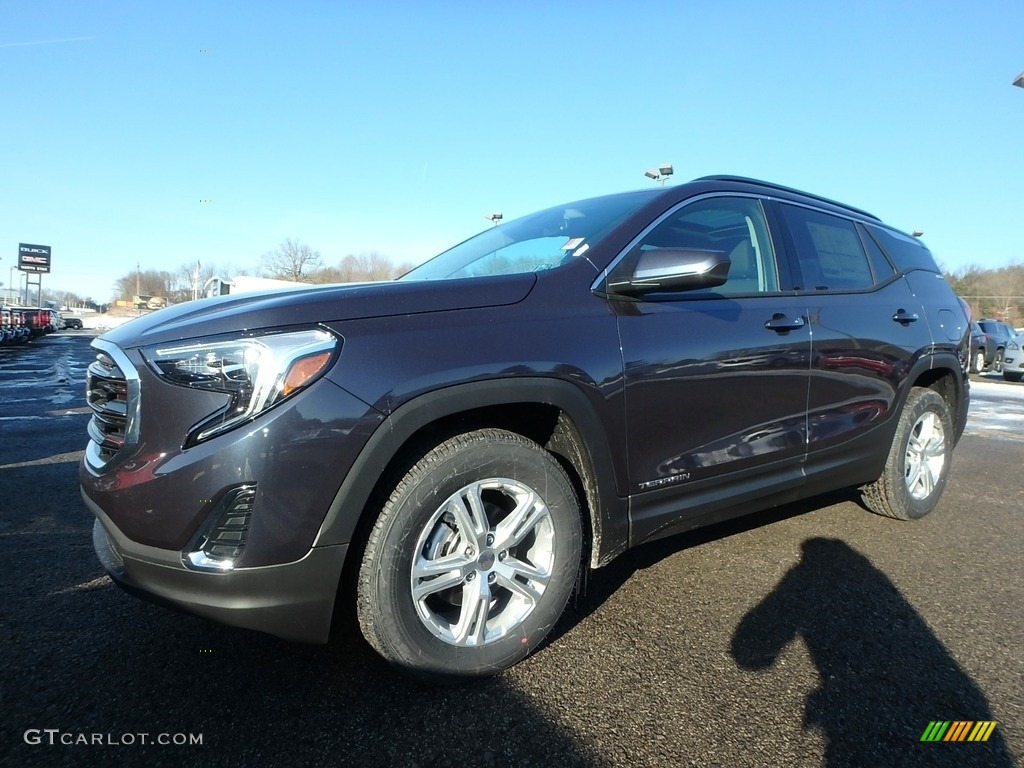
113	393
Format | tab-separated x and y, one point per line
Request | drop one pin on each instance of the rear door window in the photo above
829	251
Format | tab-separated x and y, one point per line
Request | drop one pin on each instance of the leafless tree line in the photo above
997	293
297	262
291	260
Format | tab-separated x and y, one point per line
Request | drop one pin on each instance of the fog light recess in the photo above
221	541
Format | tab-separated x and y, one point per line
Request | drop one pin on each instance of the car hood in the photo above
320	304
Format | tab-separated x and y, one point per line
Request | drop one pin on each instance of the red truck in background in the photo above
36	320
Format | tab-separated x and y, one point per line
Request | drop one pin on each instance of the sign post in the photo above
34	259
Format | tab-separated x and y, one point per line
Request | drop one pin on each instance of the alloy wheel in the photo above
482	562
926	455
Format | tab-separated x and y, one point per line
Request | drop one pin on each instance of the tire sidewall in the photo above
412	507
918	405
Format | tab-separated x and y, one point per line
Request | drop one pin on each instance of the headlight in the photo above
257	371
1012	345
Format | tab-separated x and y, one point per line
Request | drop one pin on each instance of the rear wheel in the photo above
979	361
997	363
918	464
472	559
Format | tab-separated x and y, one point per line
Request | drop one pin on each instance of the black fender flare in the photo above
932	367
608	512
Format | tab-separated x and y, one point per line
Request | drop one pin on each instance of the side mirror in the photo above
675	269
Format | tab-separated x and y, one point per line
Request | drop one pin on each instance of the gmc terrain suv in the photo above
460	445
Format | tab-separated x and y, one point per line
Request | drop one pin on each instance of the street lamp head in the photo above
917	232
1019	82
495	217
666	169
650	173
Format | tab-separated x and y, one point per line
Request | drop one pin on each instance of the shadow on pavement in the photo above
883	674
601	584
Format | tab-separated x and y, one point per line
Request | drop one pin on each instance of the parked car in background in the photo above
983	349
12	323
461	445
6	326
35	320
997	335
1013	359
73	323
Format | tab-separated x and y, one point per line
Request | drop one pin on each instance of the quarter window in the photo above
879	263
829	251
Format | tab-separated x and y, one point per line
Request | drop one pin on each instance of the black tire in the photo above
978	363
1012	375
473	481
909	488
997	362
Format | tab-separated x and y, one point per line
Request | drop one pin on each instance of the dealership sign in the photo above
33	258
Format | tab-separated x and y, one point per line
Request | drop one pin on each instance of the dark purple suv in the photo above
460	445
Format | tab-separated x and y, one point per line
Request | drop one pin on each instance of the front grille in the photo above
111	390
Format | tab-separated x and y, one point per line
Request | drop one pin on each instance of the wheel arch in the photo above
553	413
944	374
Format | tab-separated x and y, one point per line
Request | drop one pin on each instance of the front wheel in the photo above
918	464
997	363
472	558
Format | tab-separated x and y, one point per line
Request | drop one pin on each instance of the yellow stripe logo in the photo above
959	730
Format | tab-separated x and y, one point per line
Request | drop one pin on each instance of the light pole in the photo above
494	218
661	173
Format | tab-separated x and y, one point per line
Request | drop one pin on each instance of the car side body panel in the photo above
729	392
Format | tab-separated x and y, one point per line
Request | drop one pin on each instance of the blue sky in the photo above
396	126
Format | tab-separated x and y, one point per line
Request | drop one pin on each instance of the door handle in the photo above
903	317
780	323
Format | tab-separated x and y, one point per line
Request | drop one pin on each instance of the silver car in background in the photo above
1013	359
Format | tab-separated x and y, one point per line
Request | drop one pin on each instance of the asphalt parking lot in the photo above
812	635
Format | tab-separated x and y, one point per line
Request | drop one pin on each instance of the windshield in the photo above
533	243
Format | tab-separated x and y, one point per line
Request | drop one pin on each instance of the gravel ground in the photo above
813	635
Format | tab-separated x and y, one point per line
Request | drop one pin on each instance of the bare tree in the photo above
150	282
192	274
291	261
366	267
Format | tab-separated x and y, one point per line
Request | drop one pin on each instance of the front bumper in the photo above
1013	360
294	601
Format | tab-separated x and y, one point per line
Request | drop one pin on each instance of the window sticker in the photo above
571	243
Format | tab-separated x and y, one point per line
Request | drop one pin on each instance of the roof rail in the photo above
780	187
